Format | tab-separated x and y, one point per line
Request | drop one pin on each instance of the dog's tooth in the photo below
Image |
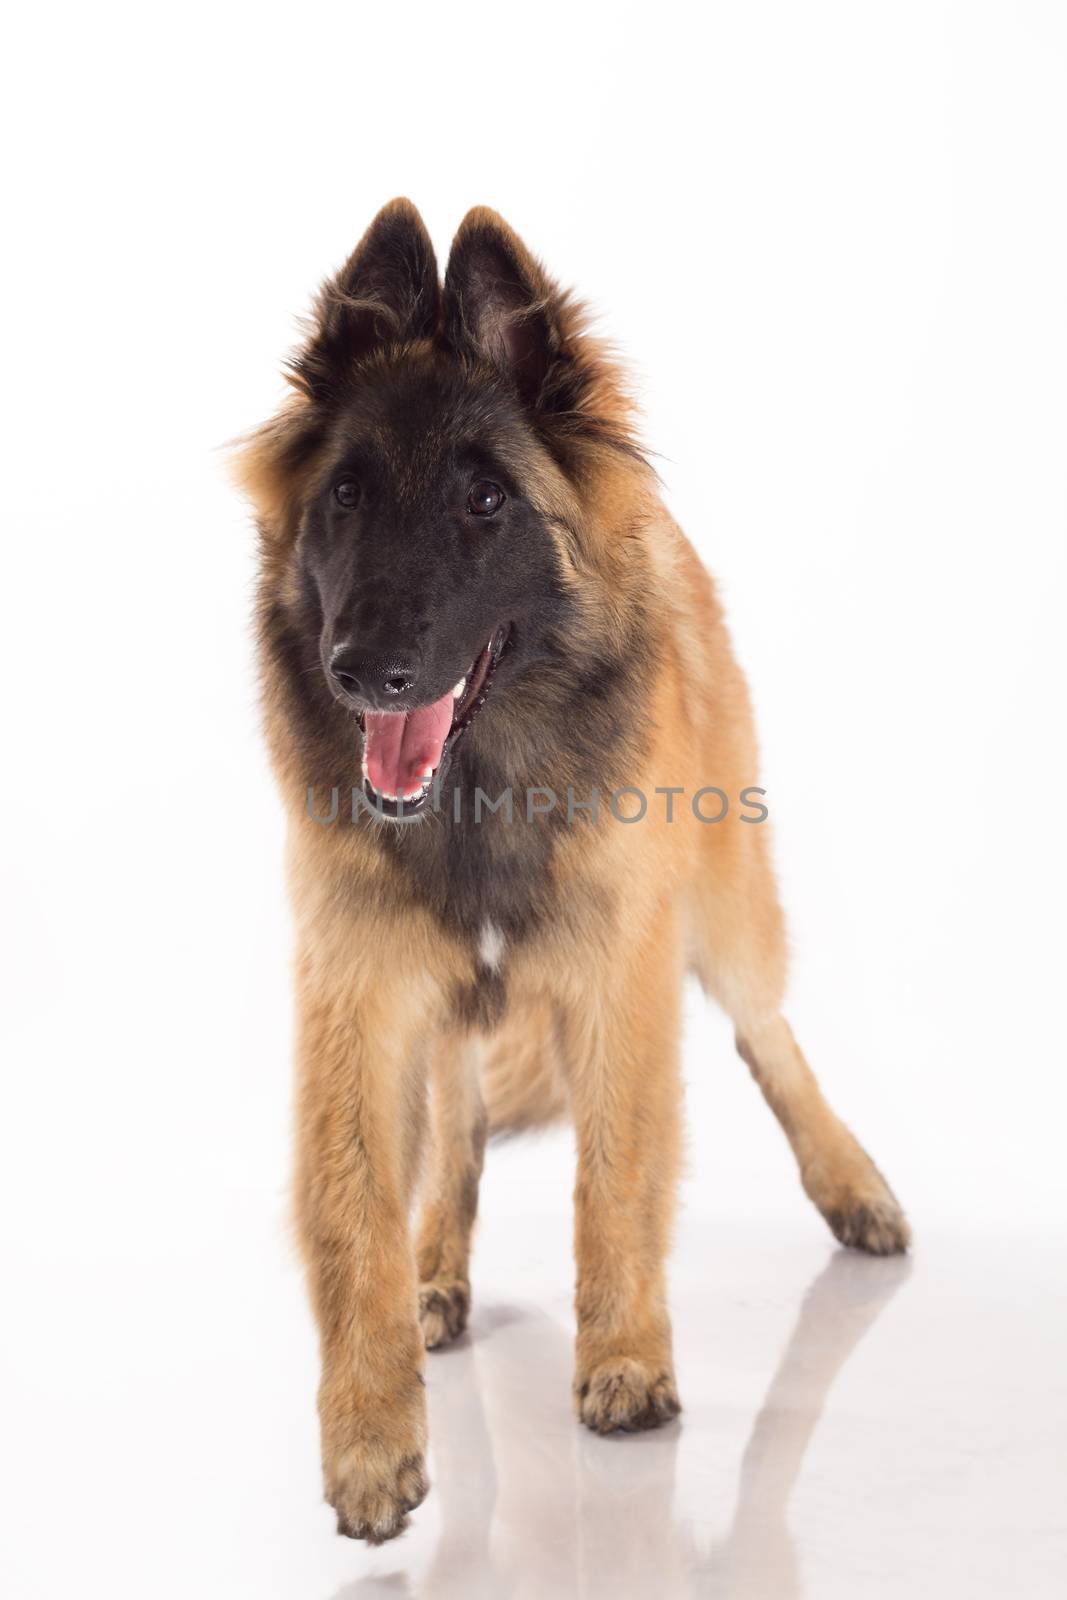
458	690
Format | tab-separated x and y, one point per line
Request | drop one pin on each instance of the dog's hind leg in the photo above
838	1175
450	1196
739	955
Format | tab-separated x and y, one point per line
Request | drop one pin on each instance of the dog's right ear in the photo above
386	293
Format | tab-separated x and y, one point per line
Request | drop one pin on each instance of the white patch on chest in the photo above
490	946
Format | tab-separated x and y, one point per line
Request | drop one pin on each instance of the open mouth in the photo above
403	751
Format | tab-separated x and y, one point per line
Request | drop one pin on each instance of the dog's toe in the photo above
623	1395
874	1224
443	1311
375	1508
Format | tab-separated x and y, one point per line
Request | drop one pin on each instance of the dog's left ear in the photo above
500	306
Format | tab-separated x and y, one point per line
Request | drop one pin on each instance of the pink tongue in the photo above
399	748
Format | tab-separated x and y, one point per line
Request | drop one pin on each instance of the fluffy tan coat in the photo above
591	1025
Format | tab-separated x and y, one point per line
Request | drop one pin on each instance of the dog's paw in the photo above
443	1310
625	1395
373	1488
857	1204
871	1222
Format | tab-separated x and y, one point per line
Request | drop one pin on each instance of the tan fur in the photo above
592	1028
522	1074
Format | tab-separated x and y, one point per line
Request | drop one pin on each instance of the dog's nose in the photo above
379	680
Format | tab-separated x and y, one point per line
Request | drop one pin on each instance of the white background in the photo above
831	240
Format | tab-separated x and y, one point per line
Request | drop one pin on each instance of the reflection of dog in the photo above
531	1519
467	574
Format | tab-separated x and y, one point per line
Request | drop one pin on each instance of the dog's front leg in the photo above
621	1038
360	1114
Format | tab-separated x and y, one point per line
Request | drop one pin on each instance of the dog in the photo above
479	625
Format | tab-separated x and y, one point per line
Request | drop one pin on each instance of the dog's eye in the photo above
485	499
346	493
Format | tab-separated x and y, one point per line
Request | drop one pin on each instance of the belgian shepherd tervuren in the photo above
520	768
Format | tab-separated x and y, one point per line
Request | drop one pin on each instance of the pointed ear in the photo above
387	292
500	306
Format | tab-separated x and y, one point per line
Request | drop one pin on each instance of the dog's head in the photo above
420	498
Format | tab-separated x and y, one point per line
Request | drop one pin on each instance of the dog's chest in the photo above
490	889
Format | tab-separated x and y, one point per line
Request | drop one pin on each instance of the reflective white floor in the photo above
852	1428
871	1426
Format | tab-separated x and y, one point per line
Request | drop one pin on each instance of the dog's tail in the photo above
523	1084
